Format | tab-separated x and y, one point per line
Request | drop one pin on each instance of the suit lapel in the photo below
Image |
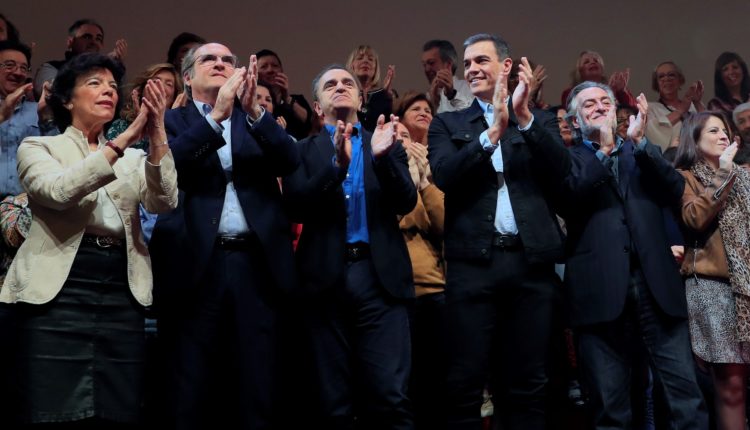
191	115
238	130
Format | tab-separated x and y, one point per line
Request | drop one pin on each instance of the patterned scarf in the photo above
734	226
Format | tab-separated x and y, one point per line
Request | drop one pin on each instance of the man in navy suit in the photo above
623	288
354	266
229	152
498	164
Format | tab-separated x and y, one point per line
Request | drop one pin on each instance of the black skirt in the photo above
82	354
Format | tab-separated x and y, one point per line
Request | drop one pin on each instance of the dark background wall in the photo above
310	34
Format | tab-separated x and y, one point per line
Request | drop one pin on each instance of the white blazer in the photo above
61	177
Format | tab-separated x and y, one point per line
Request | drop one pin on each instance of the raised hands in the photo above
8	105
249	88
443	81
637	126
726	159
388	81
522	93
417	154
120	51
227	93
619	80
384	136
342	142
694	92
499	103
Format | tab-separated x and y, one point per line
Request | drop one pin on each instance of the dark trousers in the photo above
609	352
428	364
224	361
498	321
359	338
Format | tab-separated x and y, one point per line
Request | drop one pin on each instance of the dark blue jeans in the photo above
609	351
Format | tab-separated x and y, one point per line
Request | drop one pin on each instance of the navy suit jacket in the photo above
605	218
535	162
260	154
315	196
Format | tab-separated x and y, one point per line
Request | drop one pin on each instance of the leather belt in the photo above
233	239
103	242
506	241
357	251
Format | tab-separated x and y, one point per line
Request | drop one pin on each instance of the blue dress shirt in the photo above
354	190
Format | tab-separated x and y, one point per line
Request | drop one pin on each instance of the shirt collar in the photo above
489	107
594	146
331	129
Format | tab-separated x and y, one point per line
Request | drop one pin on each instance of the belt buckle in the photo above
102	244
354	253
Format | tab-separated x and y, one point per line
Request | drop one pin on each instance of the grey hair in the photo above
326	69
572	102
501	46
188	69
739	109
446	50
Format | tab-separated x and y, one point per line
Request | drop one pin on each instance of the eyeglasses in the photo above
621	121
211	59
12	66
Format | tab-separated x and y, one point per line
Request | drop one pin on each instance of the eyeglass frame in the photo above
12	66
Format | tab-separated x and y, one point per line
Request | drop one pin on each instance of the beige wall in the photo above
311	34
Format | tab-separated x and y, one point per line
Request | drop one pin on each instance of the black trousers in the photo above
360	344
498	321
609	352
224	357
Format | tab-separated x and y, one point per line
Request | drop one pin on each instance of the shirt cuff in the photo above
488	147
252	121
528	126
642	145
218	128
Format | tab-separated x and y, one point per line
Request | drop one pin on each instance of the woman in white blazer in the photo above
83	276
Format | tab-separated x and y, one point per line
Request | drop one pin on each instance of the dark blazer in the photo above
535	161
606	219
259	155
315	196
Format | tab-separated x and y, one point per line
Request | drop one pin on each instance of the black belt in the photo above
357	251
506	241
103	242
235	240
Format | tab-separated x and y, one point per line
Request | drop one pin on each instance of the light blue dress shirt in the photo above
22	124
232	219
505	222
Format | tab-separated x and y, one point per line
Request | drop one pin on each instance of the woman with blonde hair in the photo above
364	64
590	67
164	72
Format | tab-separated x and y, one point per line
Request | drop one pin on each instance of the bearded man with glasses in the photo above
228	152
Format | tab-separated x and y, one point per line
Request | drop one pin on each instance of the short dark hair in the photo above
182	39
446	49
65	82
328	68
501	46
408	99
13	34
687	151
80	23
721	90
8	45
268	53
266	85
